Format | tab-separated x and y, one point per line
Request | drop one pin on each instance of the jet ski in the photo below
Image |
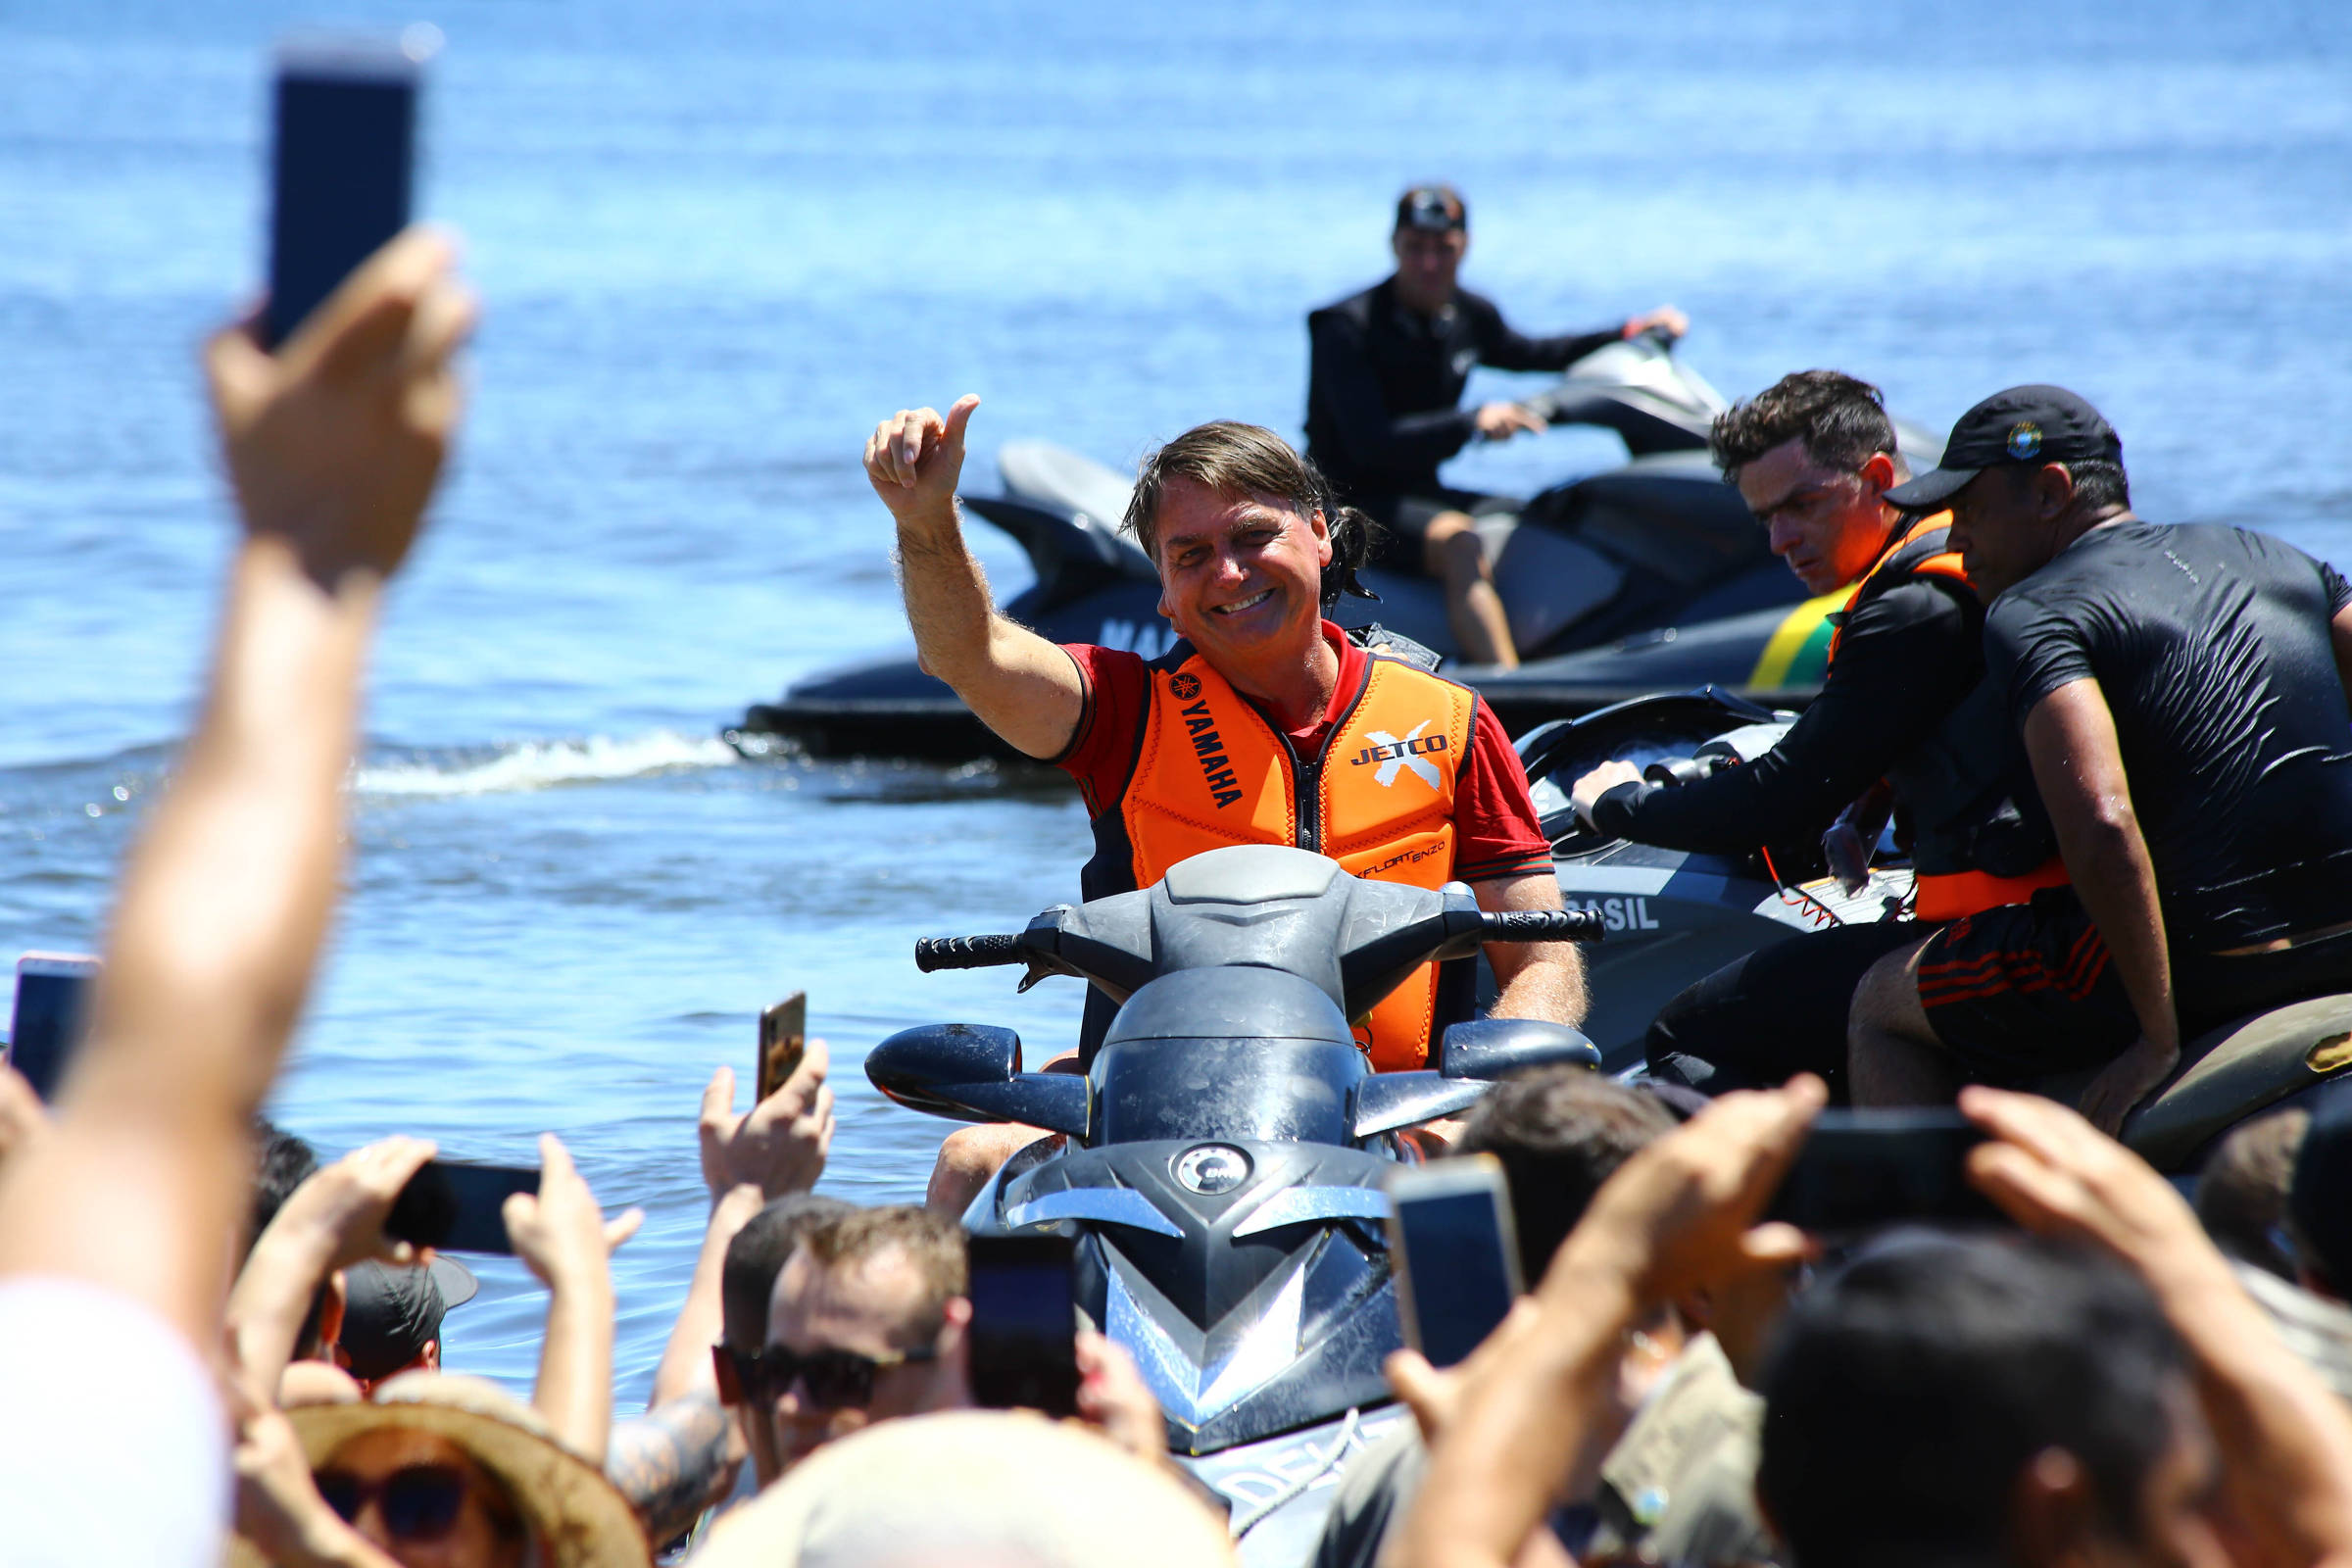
1648	577
1225	1151
1674	917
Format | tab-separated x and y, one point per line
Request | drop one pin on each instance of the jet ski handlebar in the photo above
933	953
1002	949
1542	925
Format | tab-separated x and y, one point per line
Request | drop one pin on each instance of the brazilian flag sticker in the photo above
1797	654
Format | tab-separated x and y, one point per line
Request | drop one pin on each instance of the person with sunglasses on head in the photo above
1902	722
1386	372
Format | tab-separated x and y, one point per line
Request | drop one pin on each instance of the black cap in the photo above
390	1310
2316	1199
1439	208
2025	425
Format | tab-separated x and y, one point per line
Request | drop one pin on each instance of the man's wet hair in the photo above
1841	421
1239	460
747	1278
2099	485
933	1245
1904	1396
1559	1132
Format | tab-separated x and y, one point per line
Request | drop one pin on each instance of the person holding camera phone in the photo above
1265	725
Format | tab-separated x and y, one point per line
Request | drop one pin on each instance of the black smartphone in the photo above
53	991
344	159
1024	1333
457	1208
783	1041
1453	1254
1861	1169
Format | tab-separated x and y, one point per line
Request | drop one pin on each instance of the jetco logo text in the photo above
1398	756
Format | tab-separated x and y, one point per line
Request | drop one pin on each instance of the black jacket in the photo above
1904	700
1383	384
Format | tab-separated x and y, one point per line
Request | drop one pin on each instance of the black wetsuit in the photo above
1903	701
1383	391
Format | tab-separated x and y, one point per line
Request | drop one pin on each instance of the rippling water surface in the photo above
715	242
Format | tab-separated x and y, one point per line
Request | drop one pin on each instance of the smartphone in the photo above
783	1041
458	1208
53	991
1024	1333
1454	1255
1861	1169
344	159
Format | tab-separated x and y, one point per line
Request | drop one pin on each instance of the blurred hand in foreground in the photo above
779	1145
21	1114
334	442
1113	1399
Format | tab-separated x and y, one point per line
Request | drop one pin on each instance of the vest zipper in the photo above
1306	799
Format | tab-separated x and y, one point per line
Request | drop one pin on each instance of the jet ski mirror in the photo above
1389	1101
972	1072
1494	1047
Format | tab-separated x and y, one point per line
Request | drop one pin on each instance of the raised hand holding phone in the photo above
779	1145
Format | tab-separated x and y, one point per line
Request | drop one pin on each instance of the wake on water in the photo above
542	764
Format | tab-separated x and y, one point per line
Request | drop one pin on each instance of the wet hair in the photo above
935	1247
281	1163
1559	1132
2099	485
1841	421
1239	460
2241	1190
1904	1396
747	1278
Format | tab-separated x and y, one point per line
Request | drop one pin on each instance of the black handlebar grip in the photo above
966	953
1544	925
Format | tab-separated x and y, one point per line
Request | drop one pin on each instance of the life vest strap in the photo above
1954	894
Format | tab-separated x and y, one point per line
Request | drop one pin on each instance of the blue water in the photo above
715	242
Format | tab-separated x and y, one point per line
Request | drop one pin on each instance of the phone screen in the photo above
1024	1333
1458	1263
52	997
344	158
1860	1169
458	1208
783	1041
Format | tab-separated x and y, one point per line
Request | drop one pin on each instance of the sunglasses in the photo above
418	1501
834	1380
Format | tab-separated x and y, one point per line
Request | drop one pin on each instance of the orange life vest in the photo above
1946	895
1211	772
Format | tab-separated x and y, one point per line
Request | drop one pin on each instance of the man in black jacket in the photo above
1384	381
1814	456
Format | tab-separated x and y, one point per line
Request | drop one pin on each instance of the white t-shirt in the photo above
113	1447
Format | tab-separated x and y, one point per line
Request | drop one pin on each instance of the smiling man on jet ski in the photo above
1264	724
1814	456
2181	696
1384	389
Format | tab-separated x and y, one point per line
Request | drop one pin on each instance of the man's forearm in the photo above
223	907
671	1462
575	1392
2116	881
1520	1427
948	603
686	1359
1533	979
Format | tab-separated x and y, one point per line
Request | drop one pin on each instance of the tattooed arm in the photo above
672	1462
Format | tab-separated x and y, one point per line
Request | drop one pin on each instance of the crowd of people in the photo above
196	1311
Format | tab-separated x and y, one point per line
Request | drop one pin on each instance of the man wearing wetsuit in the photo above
2180	692
1385	378
1814	456
1263	725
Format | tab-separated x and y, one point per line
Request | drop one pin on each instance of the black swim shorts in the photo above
1404	521
2030	989
2025	990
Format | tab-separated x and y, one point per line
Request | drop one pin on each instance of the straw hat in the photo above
578	1516
980	1488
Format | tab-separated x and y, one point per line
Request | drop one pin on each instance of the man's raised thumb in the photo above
957	418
